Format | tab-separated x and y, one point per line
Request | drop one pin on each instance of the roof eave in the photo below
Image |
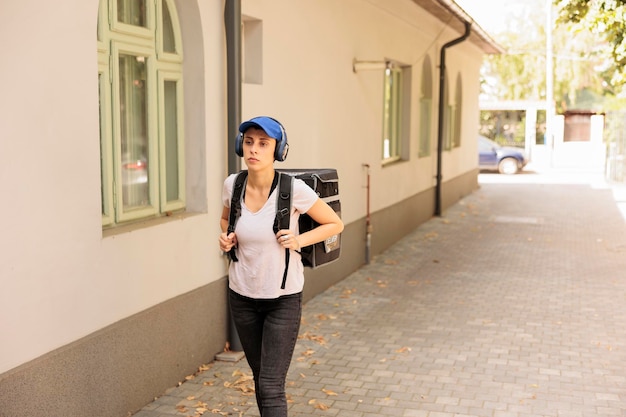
450	13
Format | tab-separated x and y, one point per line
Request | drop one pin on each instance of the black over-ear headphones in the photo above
282	145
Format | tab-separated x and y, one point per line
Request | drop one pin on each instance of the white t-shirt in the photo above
259	272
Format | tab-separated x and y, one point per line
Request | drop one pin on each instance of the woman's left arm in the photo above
330	224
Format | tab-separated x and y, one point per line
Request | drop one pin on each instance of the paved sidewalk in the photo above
513	304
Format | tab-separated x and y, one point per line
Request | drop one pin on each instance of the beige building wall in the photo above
96	322
63	277
334	115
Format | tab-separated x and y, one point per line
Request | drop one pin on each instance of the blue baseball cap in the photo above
269	125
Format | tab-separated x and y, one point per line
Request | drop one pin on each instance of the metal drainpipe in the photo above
442	77
232	22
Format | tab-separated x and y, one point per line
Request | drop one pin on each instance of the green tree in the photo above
606	19
518	74
582	67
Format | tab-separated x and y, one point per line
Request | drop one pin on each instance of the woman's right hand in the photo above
227	242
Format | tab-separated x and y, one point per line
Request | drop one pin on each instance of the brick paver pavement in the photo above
513	304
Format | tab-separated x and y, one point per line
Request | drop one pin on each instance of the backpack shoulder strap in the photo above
283	202
235	207
283	213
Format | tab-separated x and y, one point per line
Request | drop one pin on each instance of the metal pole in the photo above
549	141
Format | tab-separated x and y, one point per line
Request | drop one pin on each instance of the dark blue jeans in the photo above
268	330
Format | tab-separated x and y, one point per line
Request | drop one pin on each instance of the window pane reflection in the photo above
132	12
134	131
391	113
169	44
171	141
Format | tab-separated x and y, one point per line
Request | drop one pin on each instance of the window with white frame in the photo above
141	112
395	112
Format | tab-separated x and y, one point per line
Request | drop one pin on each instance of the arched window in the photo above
426	102
448	114
141	110
458	105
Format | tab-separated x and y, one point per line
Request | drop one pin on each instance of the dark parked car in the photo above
504	159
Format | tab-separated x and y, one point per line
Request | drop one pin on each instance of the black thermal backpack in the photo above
325	182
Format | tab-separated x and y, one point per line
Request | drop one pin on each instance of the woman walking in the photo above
267	313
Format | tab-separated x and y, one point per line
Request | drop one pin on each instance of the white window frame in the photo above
396	112
179	203
151	208
146	32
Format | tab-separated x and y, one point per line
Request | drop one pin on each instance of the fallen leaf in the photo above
347	293
315	338
431	235
243	380
329	392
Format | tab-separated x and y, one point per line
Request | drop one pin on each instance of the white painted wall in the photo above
587	155
61	278
334	116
